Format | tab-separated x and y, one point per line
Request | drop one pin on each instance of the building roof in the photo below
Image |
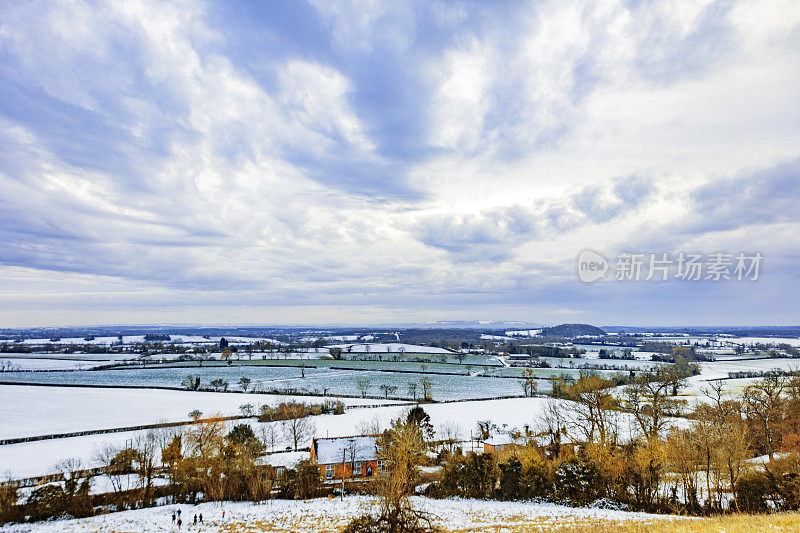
497	440
284	459
335	449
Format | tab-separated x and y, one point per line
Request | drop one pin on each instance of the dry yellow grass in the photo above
784	522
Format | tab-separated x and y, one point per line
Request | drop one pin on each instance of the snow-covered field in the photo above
325	514
17	364
514	412
39	410
720	369
38	457
391	347
34	410
792	341
134	339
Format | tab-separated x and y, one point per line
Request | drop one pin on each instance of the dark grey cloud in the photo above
764	196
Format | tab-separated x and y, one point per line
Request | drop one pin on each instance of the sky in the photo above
380	162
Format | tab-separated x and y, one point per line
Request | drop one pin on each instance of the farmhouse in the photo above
500	442
350	458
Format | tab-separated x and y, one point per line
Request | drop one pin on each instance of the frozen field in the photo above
792	341
331	514
515	412
136	339
32	410
284	380
390	347
38	457
16	364
720	369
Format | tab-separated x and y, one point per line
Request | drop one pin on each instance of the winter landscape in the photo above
546	400
399	266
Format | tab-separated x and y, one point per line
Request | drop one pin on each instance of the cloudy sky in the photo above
393	162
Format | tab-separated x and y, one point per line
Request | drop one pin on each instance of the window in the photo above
381	465
328	471
357	468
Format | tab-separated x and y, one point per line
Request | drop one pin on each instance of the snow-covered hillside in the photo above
46	410
325	514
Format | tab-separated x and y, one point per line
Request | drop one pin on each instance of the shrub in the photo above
751	493
578	481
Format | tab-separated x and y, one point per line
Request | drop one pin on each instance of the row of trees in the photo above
627	445
423	388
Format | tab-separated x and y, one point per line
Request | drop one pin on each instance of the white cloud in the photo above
180	176
462	98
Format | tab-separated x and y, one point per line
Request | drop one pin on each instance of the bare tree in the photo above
298	427
146	447
205	438
529	385
400	447
449	433
592	405
553	425
762	403
648	399
269	435
363	386
412	389
427	388
387	389
117	465
373	426
485	428
191	382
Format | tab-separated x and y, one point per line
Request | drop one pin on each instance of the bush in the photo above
8	502
405	521
752	492
302	482
51	501
578	481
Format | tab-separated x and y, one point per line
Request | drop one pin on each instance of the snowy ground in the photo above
331	514
17	364
134	339
47	410
391	347
720	369
792	341
100	485
33	411
37	458
452	420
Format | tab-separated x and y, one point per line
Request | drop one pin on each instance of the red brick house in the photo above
354	458
497	443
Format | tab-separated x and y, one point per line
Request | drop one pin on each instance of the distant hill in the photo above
572	330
